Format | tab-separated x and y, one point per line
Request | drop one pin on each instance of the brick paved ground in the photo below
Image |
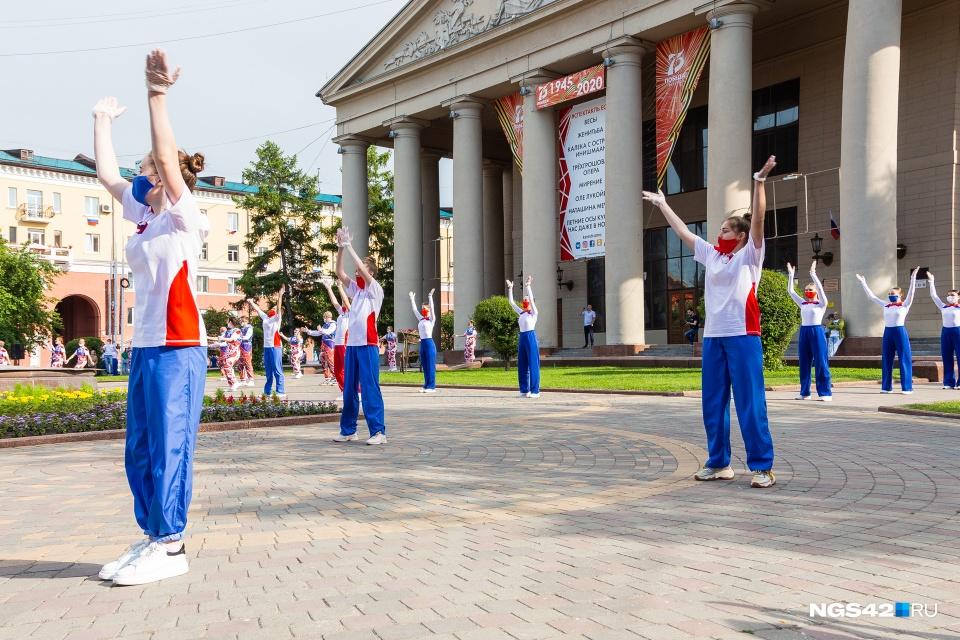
488	517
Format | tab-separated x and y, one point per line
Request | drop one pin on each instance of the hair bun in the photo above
748	217
196	162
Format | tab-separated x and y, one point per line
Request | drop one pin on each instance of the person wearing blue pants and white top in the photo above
813	343
272	347
528	351
428	350
168	362
896	340
732	353
949	333
361	367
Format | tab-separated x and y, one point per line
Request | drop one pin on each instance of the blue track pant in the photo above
274	369
528	362
164	400
362	367
736	361
950	349
428	362
813	351
896	342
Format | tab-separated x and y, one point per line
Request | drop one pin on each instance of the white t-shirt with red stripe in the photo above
271	330
730	289
364	309
163	256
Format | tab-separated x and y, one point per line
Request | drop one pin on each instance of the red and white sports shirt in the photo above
364	309
163	256
730	289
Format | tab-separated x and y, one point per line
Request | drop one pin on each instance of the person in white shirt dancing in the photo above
528	350
813	342
362	366
949	333
732	352
589	317
896	340
168	363
428	350
272	347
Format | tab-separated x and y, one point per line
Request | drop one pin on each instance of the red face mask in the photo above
361	283
526	305
343	309
726	246
271	313
425	312
810	294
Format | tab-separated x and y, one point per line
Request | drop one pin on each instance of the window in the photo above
36	236
203	284
203	211
92	243
780	229
12	197
56	203
130	280
776	125
315	229
130	316
58	239
91	206
232	285
687	169
233	253
596	291
260	252
669	266
233	221
204	251
12	236
34	204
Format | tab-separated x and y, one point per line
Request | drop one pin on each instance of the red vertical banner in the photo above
510	115
680	61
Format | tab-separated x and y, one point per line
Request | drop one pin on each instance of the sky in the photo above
236	91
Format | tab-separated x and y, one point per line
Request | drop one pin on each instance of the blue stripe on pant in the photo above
274	369
949	349
164	401
736	360
528	362
896	342
428	362
813	351
361	367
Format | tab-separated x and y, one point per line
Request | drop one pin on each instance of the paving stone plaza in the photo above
490	517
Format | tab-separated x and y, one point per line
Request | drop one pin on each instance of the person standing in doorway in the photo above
589	317
272	347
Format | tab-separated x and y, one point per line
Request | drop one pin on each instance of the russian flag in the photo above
834	229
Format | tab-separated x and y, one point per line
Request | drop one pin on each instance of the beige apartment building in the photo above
61	212
859	100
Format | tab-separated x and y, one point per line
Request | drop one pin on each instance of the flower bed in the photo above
30	414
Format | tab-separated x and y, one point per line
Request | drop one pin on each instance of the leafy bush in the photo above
779	319
30	399
496	321
95	345
447	329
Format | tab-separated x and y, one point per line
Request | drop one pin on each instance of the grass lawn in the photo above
618	378
950	406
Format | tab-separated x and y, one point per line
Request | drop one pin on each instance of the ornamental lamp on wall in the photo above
816	243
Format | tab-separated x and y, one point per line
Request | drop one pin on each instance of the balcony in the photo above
31	214
61	257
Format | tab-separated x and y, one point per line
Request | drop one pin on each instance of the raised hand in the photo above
861	278
413	296
656	199
159	76
344	237
431	292
108	107
790	268
529	280
813	268
768	166
509	284
930	277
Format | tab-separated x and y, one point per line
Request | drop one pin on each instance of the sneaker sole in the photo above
763	486
147	579
699	479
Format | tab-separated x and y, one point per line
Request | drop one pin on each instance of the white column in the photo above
729	118
624	199
868	159
355	193
407	215
507	198
430	229
467	207
540	235
493	278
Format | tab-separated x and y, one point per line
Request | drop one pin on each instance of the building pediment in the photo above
426	28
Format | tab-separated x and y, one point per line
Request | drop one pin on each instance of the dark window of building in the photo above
13	235
596	292
669	266
780	230
687	169
776	125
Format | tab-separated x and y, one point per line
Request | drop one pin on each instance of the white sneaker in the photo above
154	563
421	390
524	395
885	391
235	386
250	383
342	438
763	479
282	396
110	569
533	395
946	387
802	398
429	390
906	393
709	473
377	438
826	398
298	376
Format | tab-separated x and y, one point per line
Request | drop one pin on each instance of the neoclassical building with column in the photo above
859	100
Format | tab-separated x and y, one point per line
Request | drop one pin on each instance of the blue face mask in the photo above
893	298
141	187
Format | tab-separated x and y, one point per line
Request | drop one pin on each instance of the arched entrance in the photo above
80	316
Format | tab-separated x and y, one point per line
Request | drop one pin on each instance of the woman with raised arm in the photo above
296	352
896	340
272	347
732	353
427	318
949	332
168	364
469	336
813	342
340	330
528	349
57	353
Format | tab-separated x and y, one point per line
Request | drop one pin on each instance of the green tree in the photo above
447	330
496	321
285	216
213	319
26	313
779	319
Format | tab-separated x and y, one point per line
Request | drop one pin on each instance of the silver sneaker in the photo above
342	438
709	473
377	438
763	479
110	569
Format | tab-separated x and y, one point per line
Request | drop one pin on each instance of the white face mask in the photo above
951	299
